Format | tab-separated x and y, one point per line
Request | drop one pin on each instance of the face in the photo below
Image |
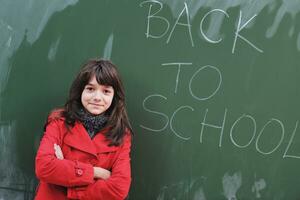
95	98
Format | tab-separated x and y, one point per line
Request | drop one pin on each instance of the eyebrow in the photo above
106	86
90	84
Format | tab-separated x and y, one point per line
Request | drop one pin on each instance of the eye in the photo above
106	91
90	89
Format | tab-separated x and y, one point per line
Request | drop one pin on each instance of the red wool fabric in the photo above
72	177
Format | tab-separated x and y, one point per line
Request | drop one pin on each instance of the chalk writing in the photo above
155	112
237	34
285	155
155	16
201	25
261	132
205	124
169	121
188	25
235	123
172	118
179	64
152	15
207	67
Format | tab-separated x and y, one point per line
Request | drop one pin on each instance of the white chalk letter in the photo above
213	126
152	16
186	10
155	112
214	92
262	130
178	71
237	34
172	118
235	123
285	155
201	25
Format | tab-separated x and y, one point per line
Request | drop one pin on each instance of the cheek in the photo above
109	101
84	98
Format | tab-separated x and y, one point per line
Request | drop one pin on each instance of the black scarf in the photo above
92	123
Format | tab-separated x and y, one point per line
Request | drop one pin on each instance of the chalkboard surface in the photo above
212	91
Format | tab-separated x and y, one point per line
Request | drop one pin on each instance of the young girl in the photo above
84	153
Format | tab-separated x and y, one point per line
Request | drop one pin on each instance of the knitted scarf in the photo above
92	123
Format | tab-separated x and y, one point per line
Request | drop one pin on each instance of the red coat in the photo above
72	177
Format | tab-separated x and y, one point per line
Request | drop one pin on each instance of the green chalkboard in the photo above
212	91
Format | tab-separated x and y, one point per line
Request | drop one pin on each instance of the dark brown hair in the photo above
106	74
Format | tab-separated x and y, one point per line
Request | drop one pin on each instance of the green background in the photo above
43	45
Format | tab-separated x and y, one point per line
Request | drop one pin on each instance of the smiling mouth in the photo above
95	104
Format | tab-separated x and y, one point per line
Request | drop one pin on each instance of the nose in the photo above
98	96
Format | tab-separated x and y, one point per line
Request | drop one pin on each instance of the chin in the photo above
94	112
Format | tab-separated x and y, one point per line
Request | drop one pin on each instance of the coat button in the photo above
79	172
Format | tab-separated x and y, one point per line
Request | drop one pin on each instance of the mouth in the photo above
93	104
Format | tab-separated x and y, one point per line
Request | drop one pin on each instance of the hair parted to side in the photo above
106	74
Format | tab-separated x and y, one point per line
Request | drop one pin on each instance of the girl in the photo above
84	153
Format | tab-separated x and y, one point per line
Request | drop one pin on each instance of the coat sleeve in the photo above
114	188
59	172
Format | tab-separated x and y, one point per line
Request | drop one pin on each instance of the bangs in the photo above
106	75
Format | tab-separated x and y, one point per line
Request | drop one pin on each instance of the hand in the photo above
58	152
102	173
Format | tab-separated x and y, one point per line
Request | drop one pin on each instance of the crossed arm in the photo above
99	172
92	182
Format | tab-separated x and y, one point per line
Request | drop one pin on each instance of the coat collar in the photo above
79	139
